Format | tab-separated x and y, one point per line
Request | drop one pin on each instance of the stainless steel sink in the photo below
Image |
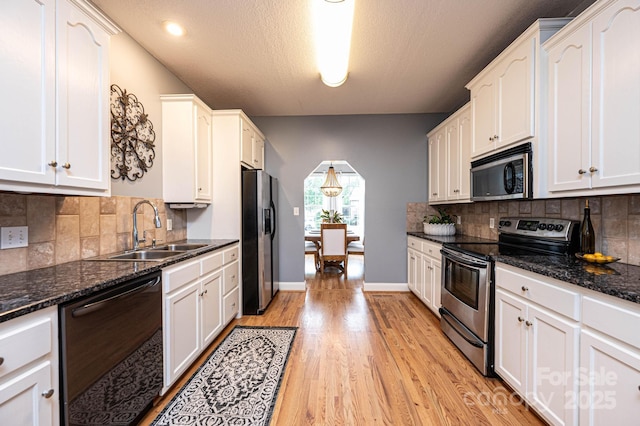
146	255
181	247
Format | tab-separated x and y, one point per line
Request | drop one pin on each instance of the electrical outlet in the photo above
492	223
459	220
14	237
169	224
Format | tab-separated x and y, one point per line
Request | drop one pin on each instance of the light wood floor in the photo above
373	358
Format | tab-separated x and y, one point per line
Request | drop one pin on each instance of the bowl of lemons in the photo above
597	257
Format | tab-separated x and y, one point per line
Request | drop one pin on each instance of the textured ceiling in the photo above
407	56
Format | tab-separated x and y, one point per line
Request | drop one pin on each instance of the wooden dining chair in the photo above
312	248
333	245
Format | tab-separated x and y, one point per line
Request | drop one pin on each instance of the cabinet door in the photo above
569	112
437	169
436	270
515	95
609	382
27	36
21	399
246	144
427	280
465	134
258	152
483	107
412	268
203	153
83	100
616	96
210	297
552	381
511	340
452	162
182	331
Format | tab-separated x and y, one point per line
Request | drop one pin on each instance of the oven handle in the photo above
463	259
459	328
94	306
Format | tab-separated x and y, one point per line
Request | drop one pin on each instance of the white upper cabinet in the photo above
594	102
252	146
504	94
449	158
186	149
61	71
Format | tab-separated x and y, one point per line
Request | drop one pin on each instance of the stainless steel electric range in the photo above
468	286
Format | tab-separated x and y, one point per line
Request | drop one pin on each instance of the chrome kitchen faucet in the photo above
156	220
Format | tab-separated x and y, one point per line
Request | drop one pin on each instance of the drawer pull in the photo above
582	171
48	394
1	360
525	288
593	169
528	323
53	163
203	293
520	319
66	166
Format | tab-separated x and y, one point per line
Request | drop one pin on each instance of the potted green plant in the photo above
327	217
442	223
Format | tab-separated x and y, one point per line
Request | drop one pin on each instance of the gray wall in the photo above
389	151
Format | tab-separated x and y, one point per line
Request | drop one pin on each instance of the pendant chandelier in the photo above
331	187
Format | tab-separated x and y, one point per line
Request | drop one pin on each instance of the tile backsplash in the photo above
615	218
64	228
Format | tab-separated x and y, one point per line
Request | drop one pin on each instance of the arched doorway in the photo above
349	205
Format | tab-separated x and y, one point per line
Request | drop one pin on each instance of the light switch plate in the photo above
169	224
296	211
492	223
14	237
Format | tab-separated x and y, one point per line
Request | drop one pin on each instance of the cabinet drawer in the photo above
231	303
25	339
612	319
230	255
530	286
414	243
177	276
231	278
211	263
431	249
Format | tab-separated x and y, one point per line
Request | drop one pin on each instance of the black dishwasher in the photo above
111	353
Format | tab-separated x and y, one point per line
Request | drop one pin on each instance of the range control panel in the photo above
539	227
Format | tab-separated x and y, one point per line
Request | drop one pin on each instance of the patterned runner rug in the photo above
238	383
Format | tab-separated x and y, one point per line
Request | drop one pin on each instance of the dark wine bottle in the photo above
587	236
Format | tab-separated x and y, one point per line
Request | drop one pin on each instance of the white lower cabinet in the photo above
195	307
609	363
536	342
29	370
424	269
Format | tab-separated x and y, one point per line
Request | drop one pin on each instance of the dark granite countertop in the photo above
450	239
615	279
25	292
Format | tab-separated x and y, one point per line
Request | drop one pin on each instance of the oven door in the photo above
466	290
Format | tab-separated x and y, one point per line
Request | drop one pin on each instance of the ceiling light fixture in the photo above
333	21
331	187
173	28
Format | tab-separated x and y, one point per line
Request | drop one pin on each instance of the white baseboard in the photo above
385	287
293	286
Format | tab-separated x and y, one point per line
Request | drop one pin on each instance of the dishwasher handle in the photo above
95	306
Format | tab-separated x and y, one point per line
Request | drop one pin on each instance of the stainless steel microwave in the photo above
504	175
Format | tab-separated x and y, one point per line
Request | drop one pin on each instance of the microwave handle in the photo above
509	178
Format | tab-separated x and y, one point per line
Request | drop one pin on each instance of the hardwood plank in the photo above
372	358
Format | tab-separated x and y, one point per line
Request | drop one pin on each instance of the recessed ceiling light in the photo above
173	28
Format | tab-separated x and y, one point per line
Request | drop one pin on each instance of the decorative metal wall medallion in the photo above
132	136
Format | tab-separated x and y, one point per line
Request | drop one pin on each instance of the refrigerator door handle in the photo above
274	218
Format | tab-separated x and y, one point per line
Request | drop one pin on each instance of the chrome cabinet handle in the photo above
53	163
581	172
528	323
66	166
525	288
520	319
593	169
48	394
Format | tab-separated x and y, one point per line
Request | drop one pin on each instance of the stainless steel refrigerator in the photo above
259	241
